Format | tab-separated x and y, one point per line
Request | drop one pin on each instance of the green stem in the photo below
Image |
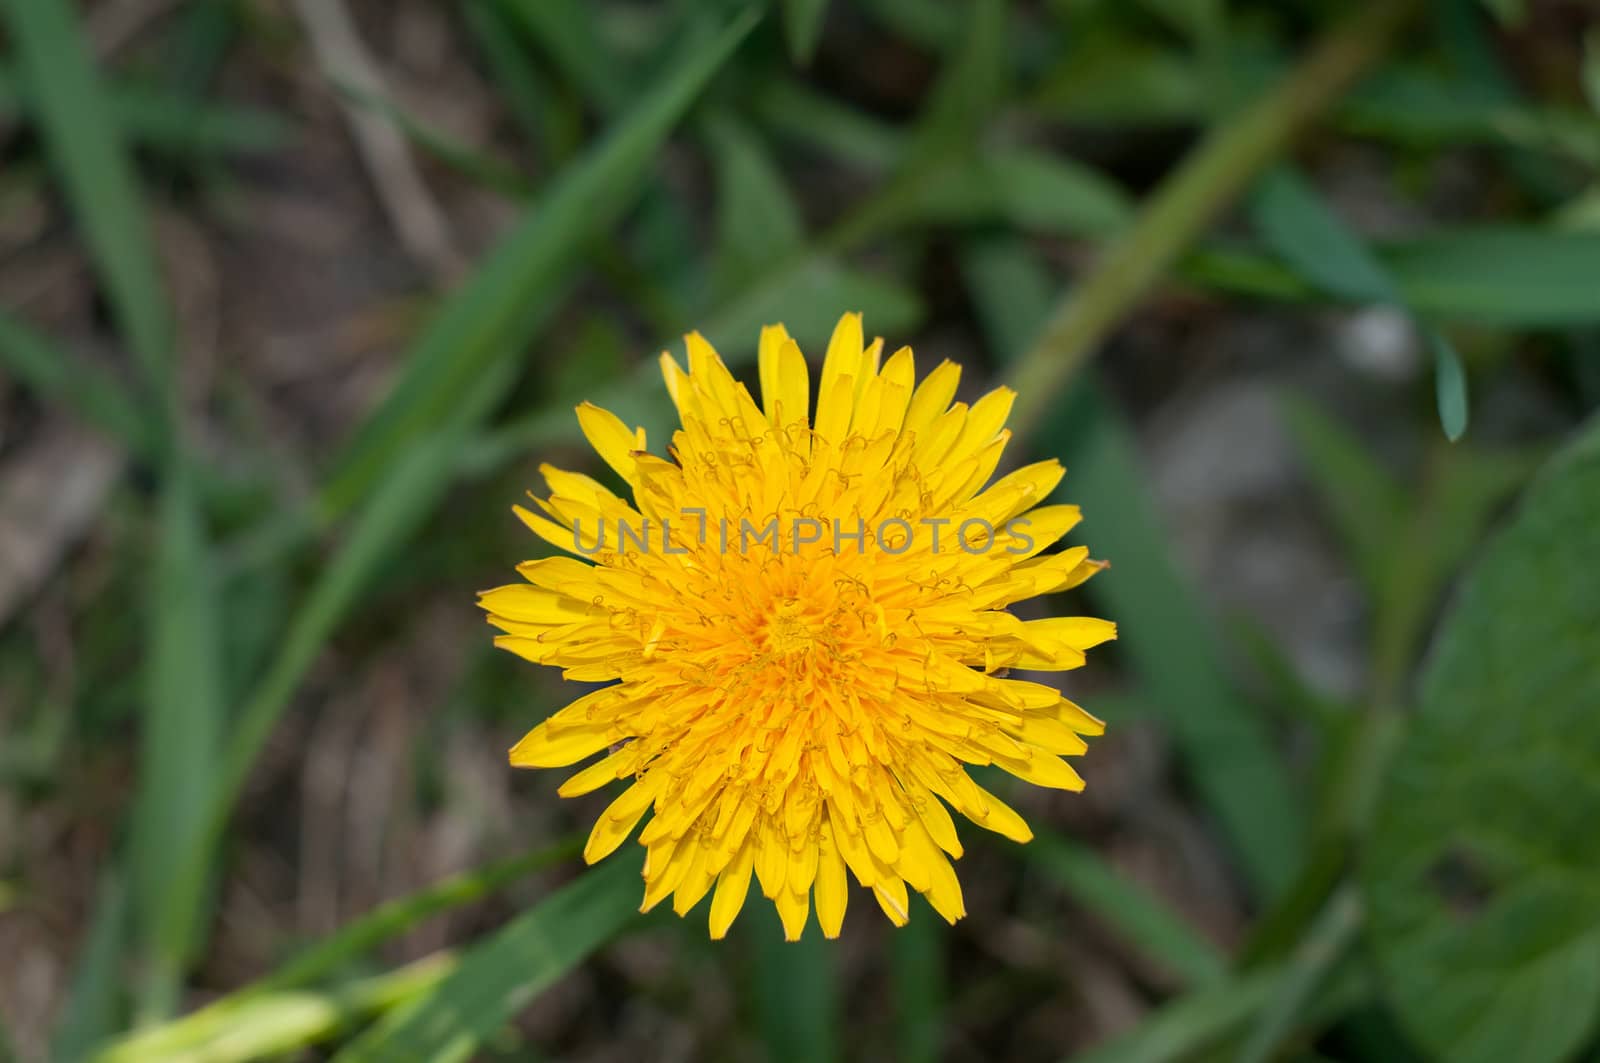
1187	202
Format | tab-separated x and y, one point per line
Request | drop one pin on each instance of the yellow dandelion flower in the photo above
805	622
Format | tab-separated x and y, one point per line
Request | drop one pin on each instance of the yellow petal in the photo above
544	748
610	438
842	361
697	878
602	772
732	887
991	813
792	910
771	859
932	397
892	898
619	819
832	889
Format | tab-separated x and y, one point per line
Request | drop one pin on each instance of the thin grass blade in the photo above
1163	630
180	742
91	1014
501	307
85	143
1141	919
497	978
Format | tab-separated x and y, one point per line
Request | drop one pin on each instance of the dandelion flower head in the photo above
803	623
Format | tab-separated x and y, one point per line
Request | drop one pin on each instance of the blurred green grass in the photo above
950	197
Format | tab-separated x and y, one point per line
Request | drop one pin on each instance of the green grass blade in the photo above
85	144
502	305
796	992
351	942
916	964
162	120
398	916
91	1012
1181	1029
497	978
1310	966
1455	275
567	31
1163	630
1169	640
1364	500
58	376
1141	919
522	89
1449	384
968	90
475	165
1316	243
800	113
1190	198
802	27
396	509
758	220
180	741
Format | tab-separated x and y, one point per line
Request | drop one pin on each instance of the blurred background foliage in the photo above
294	295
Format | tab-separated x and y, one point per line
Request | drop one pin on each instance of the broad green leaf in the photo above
1139	918
501	974
86	147
180	741
802	25
1163	631
489	320
1483	873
